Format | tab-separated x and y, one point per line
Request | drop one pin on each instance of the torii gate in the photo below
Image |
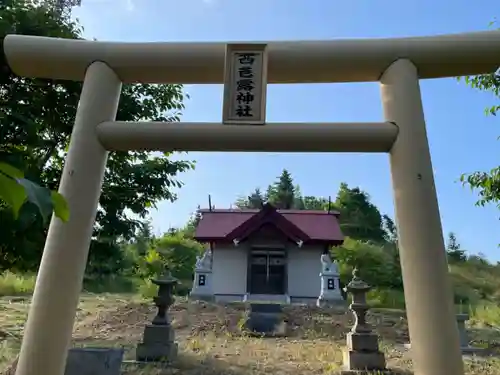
397	63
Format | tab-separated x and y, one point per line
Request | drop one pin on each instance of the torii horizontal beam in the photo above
271	137
340	60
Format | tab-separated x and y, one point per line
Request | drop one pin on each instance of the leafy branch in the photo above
15	191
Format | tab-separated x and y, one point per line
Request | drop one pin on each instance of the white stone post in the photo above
202	283
330	287
49	327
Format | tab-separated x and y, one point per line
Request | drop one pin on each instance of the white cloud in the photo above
129	5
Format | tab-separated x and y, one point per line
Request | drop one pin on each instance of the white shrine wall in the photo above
230	272
304	266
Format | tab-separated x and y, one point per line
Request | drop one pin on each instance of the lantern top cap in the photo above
165	279
356	284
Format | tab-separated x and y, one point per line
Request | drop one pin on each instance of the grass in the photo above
211	342
12	284
210	337
487	314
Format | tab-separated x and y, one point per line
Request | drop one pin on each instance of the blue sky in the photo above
462	138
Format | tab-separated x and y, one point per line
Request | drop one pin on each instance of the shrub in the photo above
488	314
147	289
375	263
110	284
12	284
388	298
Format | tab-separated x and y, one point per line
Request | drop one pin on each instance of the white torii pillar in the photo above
47	335
428	293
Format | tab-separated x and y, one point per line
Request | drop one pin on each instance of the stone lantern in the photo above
158	343
362	352
465	347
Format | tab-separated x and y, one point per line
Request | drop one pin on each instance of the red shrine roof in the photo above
226	225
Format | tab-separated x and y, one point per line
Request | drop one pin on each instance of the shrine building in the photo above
268	254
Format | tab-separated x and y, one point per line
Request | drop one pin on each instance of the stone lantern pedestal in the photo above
158	344
464	337
362	353
465	347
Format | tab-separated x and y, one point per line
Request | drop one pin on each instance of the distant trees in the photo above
371	241
144	238
391	232
359	218
454	249
371	245
255	200
282	193
315	203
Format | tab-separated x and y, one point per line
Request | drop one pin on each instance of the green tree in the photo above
241	203
454	249
315	203
254	201
486	183
179	254
391	233
64	6
375	265
190	228
282	193
175	252
359	218
268	193
15	191
144	238
37	117
298	199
